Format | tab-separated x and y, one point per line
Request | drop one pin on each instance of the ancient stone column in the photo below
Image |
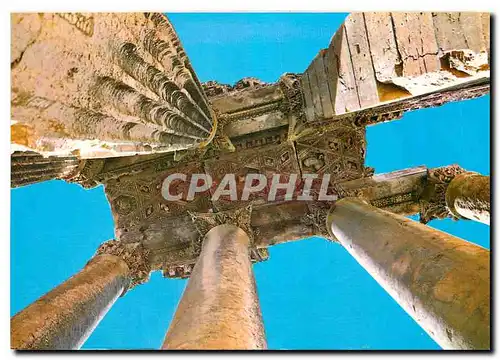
441	281
219	308
65	317
468	195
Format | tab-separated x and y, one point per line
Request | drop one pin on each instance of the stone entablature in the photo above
248	127
103	85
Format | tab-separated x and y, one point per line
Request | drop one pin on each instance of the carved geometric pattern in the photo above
266	160
338	150
136	200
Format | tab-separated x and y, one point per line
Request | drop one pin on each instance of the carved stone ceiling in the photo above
309	123
166	228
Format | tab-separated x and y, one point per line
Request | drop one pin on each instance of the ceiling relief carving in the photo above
338	150
123	107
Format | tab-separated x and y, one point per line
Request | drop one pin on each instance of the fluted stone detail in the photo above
164	53
131	102
159	83
30	167
116	85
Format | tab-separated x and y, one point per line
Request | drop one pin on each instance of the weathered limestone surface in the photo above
443	282
66	316
386	57
398	191
468	196
30	167
142	79
219	309
167	229
103	85
141	214
113	99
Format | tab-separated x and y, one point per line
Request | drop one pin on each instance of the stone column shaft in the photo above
219	308
441	281
468	195
66	316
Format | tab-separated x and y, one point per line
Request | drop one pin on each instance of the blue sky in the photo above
313	294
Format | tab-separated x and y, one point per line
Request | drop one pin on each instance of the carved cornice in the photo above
135	255
87	174
394	199
257	110
372	119
393	109
214	88
29	167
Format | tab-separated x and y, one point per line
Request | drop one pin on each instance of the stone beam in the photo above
444	192
389	58
167	229
397	191
441	281
103	84
219	309
65	317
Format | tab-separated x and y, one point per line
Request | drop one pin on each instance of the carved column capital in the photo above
316	219
135	255
433	199
241	218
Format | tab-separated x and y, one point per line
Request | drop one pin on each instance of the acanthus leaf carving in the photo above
135	255
433	201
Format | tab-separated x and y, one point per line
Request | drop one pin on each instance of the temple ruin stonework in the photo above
112	99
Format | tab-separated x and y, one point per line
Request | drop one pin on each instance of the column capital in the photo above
316	218
433	199
240	217
135	255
